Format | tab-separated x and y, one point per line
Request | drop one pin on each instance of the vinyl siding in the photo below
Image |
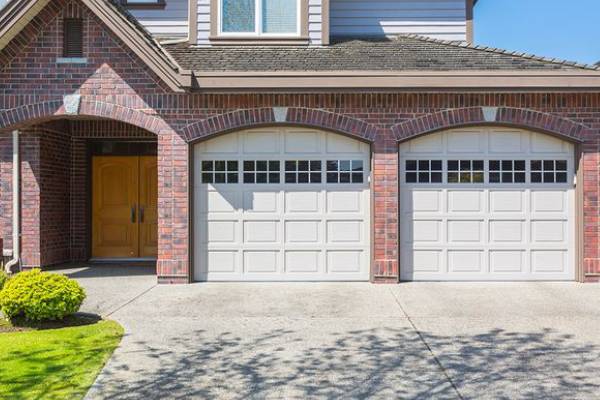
170	22
440	19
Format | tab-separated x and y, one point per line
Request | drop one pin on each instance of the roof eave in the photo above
494	80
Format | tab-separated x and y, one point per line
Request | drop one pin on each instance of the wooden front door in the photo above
124	207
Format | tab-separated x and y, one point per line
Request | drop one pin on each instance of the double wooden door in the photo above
124	207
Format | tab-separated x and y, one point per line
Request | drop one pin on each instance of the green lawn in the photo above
55	363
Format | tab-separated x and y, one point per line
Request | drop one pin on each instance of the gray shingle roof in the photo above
404	53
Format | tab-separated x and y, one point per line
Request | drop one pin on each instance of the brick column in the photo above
591	210
30	200
385	208
173	209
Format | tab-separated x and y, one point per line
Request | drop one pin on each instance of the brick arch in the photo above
54	109
504	116
284	116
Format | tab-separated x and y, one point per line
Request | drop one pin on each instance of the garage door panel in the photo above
348	261
549	261
464	142
496	230
337	144
549	231
345	232
261	142
425	261
303	142
508	261
302	202
302	231
257	201
426	231
465	261
507	142
423	201
545	201
224	201
507	231
465	231
282	229
541	143
222	261
345	201
303	262
505	201
261	262
464	201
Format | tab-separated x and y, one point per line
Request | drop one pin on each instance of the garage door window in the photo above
303	171
261	171
548	171
219	171
423	171
507	171
345	171
465	171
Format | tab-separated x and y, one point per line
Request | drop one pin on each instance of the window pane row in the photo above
295	171
473	171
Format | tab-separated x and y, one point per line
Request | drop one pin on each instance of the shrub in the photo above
35	296
3	279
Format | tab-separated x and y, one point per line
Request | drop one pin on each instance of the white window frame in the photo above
258	23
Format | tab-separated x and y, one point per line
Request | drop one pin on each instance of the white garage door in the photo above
281	204
487	204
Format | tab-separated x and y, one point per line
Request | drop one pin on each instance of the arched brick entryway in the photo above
173	255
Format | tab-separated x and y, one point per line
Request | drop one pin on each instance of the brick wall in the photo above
116	85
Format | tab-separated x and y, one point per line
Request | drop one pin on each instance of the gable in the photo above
23	20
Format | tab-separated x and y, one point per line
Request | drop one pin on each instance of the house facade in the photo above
286	140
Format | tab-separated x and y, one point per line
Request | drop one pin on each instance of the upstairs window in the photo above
260	17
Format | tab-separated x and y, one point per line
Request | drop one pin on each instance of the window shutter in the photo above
73	38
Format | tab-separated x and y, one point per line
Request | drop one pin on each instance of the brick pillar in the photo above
78	200
30	200
591	210
6	190
385	207
173	209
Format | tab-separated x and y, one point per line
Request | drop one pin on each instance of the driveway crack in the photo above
427	346
128	302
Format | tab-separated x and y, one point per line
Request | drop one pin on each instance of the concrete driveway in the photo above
342	340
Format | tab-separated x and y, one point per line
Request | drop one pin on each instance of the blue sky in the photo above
567	29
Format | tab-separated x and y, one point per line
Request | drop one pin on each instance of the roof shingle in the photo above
403	53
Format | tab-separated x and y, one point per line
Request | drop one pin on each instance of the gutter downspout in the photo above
16	220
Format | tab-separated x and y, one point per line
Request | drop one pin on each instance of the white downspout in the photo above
16	219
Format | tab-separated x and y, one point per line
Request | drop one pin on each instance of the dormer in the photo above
301	22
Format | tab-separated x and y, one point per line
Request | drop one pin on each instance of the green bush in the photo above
3	279
35	296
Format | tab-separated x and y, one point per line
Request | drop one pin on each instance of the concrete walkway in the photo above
345	341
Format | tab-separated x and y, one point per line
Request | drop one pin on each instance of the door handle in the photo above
142	214
133	214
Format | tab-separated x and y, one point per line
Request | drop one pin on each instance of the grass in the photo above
45	362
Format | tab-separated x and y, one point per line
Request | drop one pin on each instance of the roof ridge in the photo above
495	50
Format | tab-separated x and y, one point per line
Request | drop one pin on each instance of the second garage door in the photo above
487	204
281	204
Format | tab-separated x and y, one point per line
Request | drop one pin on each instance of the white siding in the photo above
170	22
440	19
203	22
314	22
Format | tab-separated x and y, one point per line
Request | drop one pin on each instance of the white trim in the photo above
258	23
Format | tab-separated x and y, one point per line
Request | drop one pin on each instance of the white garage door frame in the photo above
430	236
341	220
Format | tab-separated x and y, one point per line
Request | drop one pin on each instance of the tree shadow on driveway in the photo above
367	363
